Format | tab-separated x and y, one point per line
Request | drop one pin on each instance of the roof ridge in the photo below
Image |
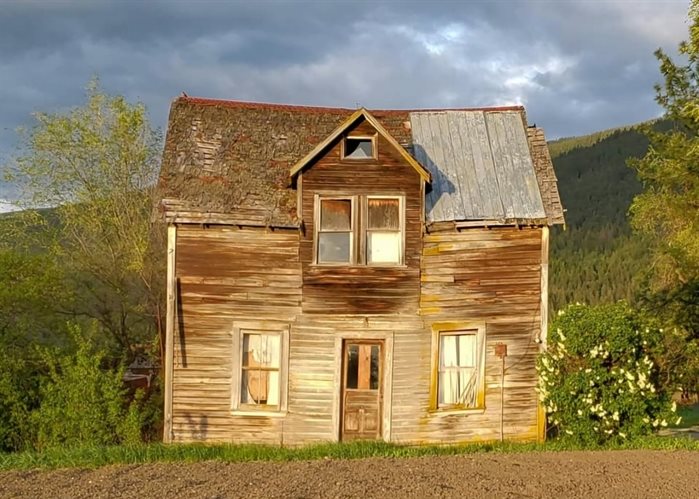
325	109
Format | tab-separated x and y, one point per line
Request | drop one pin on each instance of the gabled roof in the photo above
231	160
351	120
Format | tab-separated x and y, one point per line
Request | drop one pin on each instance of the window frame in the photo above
374	147
365	230
454	329
240	329
358	234
318	199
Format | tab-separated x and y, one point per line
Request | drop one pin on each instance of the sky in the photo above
577	65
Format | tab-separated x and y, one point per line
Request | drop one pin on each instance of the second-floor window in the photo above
336	230
359	230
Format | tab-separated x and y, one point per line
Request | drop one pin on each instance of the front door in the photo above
362	389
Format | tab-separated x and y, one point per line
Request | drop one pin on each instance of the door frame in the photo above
387	379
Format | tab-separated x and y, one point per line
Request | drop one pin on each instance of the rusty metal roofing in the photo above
481	165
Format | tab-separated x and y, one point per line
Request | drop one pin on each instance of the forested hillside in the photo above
596	258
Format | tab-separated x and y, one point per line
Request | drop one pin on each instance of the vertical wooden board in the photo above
364	366
171	318
485	167
463	168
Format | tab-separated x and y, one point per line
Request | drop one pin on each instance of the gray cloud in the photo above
577	66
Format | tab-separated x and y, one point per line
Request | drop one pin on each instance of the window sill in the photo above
456	412
356	266
261	414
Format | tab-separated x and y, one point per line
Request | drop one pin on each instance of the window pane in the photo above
259	387
457	350
384	213
374	376
352	366
333	247
261	350
335	214
383	247
458	386
358	148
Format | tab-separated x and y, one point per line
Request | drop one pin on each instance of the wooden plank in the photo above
364	372
544	308
543	332
485	167
171	311
470	198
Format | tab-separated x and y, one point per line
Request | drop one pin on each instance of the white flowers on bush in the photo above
608	390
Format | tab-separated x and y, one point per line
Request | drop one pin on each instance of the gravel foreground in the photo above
614	474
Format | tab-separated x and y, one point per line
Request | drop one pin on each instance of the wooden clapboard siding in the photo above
362	289
489	275
226	275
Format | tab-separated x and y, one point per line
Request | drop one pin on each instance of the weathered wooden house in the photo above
336	274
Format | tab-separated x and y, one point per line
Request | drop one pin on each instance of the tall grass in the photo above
96	456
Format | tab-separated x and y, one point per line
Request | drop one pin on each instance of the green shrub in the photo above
598	379
82	403
18	397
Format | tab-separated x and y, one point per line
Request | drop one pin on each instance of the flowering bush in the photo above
598	379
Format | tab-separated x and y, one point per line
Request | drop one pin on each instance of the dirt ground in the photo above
617	474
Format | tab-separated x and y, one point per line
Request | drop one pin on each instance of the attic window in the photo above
359	148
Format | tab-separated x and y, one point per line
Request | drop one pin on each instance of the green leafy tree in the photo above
32	298
667	211
668	208
96	168
82	403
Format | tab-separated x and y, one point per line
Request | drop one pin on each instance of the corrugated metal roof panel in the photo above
480	163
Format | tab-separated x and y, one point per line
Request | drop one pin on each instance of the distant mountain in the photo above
597	258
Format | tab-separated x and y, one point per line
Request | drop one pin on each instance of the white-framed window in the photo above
384	230
356	147
458	366
359	230
260	360
335	230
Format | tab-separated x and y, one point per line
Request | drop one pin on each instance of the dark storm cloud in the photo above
577	66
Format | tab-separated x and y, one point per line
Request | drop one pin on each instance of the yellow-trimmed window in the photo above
458	367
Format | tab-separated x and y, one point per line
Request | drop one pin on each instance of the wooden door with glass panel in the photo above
362	390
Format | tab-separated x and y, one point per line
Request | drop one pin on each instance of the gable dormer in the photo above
361	201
